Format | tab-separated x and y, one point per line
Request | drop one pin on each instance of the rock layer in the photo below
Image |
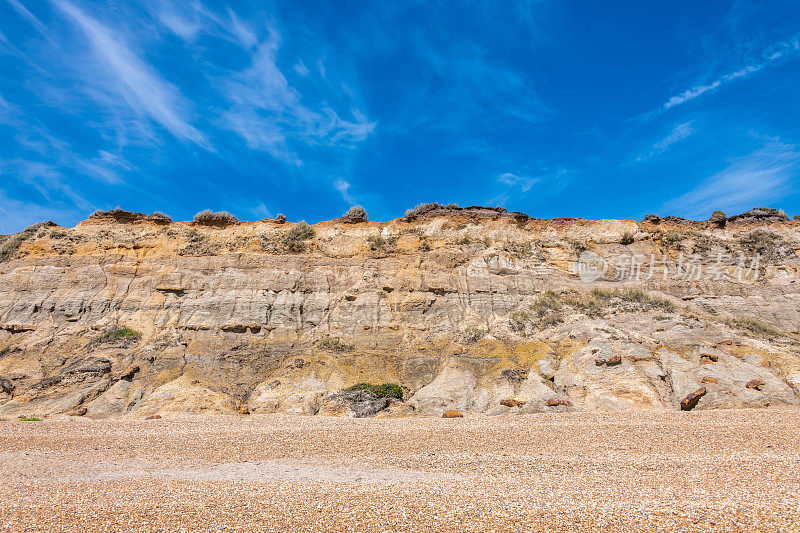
474	310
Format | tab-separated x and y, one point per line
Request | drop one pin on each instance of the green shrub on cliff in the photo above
295	237
385	390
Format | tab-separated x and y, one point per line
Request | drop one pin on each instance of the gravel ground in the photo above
720	470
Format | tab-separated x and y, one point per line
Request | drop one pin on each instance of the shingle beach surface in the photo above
715	470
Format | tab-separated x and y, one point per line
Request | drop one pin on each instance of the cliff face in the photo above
464	309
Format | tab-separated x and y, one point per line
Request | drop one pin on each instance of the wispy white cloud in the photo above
524	183
242	31
516	186
780	51
763	176
344	189
30	17
140	85
268	113
301	69
678	133
48	180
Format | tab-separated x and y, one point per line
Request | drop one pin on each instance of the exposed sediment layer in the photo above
475	310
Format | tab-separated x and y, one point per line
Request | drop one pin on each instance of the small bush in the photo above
295	237
121	333
673	239
578	247
334	344
29	419
627	238
210	218
424	245
158	216
376	242
280	219
354	215
412	214
719	218
386	390
770	246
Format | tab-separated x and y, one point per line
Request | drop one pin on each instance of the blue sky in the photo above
557	109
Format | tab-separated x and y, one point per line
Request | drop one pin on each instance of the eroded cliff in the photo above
476	310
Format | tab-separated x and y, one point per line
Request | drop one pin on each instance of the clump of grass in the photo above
544	312
12	243
754	327
121	333
590	305
424	245
295	237
635	296
464	240
210	218
473	334
385	390
378	243
198	245
673	239
550	308
29	419
627	238
578	247
770	246
334	344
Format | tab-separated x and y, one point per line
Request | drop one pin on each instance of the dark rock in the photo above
512	375
78	412
297	363
128	374
452	414
362	403
511	402
614	360
6	386
689	403
755	384
655	219
152	417
553	402
760	214
88	365
709	379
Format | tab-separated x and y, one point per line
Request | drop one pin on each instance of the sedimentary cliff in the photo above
471	309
